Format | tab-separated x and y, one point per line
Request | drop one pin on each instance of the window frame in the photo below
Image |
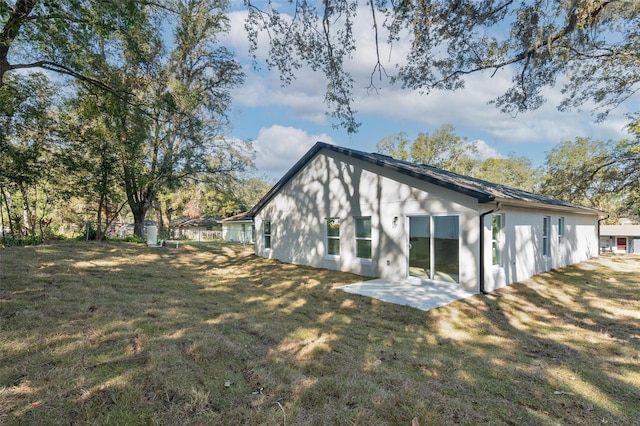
358	239
560	228
267	234
546	236
497	241
328	222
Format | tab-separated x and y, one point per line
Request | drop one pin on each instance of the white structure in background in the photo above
372	215
620	238
238	229
152	236
204	228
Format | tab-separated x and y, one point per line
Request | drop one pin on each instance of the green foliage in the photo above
394	146
591	45
604	175
216	198
70	37
131	239
27	168
443	149
446	150
33	240
516	172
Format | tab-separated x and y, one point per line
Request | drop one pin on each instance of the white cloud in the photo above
485	151
278	147
467	109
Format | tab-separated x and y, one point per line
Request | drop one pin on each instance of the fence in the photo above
199	235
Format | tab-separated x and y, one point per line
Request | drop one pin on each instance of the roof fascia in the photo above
552	207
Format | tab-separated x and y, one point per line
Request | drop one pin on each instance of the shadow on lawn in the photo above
577	334
212	334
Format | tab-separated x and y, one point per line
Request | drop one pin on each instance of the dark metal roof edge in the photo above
287	176
428	174
480	196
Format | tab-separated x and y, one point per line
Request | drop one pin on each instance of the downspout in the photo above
599	225
482	289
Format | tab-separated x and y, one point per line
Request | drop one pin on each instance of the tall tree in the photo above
90	161
580	171
26	145
394	146
442	148
593	46
168	119
516	172
604	175
446	150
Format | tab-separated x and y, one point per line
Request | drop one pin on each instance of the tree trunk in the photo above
6	205
26	212
101	205
169	211
139	212
157	206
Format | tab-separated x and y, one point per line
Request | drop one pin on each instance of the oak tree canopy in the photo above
591	48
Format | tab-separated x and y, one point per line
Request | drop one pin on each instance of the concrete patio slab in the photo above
424	295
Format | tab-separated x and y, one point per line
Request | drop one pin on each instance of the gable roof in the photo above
481	190
241	217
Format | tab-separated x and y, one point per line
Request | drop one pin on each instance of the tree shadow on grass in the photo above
128	335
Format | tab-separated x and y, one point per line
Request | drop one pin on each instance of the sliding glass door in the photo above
434	248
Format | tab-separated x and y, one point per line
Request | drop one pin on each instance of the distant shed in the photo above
201	228
238	229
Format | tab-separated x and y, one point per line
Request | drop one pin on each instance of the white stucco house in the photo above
238	229
348	210
623	238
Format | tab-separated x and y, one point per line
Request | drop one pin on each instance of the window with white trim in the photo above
546	225
560	228
267	234
333	236
497	226
363	237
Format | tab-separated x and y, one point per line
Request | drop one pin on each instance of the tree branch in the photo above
532	50
10	32
378	66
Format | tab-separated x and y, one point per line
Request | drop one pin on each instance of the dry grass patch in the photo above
210	334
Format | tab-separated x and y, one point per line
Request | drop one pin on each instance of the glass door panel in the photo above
420	247
446	251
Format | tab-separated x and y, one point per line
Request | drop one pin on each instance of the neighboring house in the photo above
201	228
238	229
369	214
620	238
124	230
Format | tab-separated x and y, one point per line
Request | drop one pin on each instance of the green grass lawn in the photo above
105	333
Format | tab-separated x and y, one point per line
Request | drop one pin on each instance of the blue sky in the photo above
284	122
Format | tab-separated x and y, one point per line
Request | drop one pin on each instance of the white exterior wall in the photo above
522	245
333	185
